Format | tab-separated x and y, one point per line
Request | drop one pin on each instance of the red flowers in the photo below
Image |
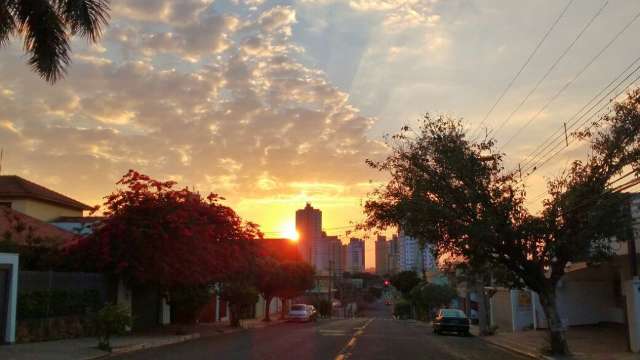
158	235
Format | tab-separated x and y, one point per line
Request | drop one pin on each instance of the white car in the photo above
302	312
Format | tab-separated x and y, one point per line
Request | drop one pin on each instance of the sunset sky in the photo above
275	103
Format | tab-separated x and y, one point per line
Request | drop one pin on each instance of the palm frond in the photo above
85	17
45	38
7	22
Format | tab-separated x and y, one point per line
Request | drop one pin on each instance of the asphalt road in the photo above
376	336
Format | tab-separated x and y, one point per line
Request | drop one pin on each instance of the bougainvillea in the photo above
156	234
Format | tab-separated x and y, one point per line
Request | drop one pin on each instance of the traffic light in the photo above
386	283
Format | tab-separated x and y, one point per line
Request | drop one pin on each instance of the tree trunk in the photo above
483	311
557	332
283	313
267	308
234	316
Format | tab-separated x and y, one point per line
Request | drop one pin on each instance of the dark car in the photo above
451	320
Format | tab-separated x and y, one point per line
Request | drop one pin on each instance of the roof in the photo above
77	219
23	228
13	186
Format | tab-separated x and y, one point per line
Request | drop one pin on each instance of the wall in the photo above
275	307
501	310
11	261
521	303
50	280
42	210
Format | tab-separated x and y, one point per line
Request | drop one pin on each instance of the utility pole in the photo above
330	279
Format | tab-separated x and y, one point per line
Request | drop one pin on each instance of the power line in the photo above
534	166
558	133
517	75
551	68
570	82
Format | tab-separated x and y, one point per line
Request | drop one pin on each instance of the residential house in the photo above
37	201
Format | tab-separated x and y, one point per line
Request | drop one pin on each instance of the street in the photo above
374	336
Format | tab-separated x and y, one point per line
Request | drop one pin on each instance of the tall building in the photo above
355	256
382	255
413	257
394	254
309	227
336	255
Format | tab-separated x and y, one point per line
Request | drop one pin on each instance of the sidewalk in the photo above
605	342
85	348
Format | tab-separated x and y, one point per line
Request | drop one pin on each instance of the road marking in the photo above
328	332
346	350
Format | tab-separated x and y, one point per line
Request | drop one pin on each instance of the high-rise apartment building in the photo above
412	256
382	255
336	252
355	256
309	227
394	254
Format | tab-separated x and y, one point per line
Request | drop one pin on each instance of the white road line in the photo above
346	350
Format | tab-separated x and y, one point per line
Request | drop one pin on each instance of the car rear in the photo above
298	312
451	320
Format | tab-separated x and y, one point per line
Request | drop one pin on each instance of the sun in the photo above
289	232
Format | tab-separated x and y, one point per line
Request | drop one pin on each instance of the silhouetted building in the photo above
394	254
382	255
309	227
336	255
355	256
414	257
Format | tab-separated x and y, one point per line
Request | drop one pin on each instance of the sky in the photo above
273	104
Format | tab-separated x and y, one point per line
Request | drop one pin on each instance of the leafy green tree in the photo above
188	300
271	277
240	294
47	25
298	279
405	281
455	194
427	296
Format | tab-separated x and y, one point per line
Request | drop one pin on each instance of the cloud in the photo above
247	119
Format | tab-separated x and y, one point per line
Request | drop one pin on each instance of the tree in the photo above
298	279
427	296
47	26
154	234
270	279
455	194
240	294
405	281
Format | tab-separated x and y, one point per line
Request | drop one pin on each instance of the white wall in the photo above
501	311
584	303
11	260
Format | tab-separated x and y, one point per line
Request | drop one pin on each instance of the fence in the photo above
56	305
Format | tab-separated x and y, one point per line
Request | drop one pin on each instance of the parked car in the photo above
313	311
302	312
451	320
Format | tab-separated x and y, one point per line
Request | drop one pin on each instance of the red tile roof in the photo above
22	228
12	187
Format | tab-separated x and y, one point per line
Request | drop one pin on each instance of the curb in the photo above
176	340
516	350
137	347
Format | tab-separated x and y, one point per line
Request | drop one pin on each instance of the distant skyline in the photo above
273	104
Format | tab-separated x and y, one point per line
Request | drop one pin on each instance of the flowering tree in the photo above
155	234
